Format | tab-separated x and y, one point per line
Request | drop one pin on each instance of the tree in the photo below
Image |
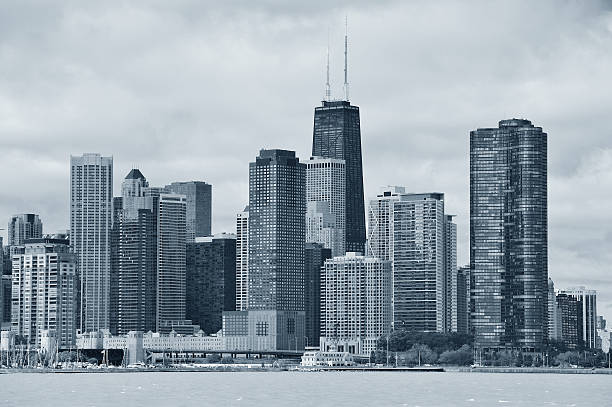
213	358
420	353
227	360
460	357
67	356
504	358
568	358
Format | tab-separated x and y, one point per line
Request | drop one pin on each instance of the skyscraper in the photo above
337	134
91	193
242	260
409	230
356	306
450	274
134	257
22	227
199	206
277	211
44	292
211	280
277	206
571	320
171	262
554	313
587	329
508	236
326	203
463	300
315	256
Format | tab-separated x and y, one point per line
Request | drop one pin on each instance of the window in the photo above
261	329
291	326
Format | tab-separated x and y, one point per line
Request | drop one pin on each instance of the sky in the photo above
191	90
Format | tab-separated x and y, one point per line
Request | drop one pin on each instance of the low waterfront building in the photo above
153	341
316	357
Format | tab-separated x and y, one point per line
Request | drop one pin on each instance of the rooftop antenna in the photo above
346	85
327	87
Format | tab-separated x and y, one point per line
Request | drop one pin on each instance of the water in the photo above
305	389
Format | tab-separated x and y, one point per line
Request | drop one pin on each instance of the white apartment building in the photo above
355	303
91	194
413	232
44	291
325	200
242	260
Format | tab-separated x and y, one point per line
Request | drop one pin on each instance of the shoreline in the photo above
447	369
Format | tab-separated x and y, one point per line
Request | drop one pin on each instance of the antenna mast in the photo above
346	85
327	87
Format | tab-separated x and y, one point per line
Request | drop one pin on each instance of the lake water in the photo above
305	389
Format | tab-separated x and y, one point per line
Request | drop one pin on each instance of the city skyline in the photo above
434	122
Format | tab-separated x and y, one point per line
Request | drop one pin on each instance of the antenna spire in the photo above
327	87
346	85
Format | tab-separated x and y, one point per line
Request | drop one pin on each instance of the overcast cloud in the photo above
190	90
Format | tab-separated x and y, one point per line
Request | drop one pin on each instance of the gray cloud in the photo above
192	90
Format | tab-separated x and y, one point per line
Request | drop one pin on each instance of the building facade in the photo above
44	291
571	320
171	262
554	313
326	203
337	134
277	232
508	236
587	330
24	226
133	258
199	207
450	275
242	260
315	256
409	230
356	305
91	193
463	300
211	280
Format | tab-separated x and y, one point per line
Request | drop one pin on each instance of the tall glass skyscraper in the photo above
91	194
337	134
508	236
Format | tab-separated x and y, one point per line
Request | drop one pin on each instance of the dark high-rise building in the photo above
133	258
199	206
275	316
315	255
571	320
508	236
171	262
588	314
337	134
463	300
211	280
277	230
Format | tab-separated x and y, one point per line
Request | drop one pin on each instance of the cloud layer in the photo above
193	90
